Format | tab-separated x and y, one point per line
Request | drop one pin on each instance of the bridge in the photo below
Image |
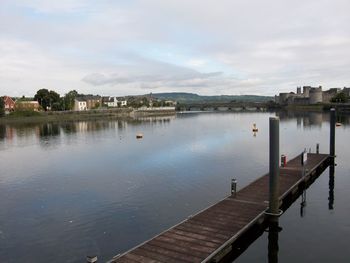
224	106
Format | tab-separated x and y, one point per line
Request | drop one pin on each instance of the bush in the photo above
25	113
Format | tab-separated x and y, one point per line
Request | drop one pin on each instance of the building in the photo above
92	102
80	104
9	104
346	91
27	106
114	102
310	95
315	95
329	94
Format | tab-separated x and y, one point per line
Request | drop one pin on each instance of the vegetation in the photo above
68	100
48	99
340	98
2	107
183	97
24	113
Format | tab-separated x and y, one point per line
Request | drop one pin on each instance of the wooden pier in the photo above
214	232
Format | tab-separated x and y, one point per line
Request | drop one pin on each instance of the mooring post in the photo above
274	167
317	148
332	134
233	186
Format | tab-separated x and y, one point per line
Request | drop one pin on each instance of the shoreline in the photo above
115	114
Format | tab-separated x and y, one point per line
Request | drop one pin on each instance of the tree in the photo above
68	100
42	96
340	97
47	98
2	107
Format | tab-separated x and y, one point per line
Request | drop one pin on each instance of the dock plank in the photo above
201	236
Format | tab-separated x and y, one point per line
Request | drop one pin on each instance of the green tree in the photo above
42	96
47	99
68	100
2	107
340	97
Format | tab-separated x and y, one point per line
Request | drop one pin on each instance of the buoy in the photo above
139	136
338	124
255	129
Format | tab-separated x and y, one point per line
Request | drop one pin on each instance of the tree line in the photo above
51	100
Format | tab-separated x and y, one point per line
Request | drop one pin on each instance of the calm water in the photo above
75	189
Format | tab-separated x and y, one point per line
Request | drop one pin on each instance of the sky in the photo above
130	47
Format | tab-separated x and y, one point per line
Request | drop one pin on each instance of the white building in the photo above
80	104
114	102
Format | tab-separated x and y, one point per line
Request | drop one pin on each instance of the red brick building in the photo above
9	104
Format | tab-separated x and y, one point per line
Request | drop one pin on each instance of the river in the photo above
68	190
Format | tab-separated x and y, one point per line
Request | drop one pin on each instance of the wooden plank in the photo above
202	235
178	256
178	249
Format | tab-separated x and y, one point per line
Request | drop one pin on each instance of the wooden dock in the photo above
212	233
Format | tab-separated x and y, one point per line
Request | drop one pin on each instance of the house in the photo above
123	102
27	105
92	102
9	104
114	102
80	104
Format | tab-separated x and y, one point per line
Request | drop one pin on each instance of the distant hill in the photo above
183	97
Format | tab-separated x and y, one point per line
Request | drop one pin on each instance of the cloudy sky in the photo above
121	47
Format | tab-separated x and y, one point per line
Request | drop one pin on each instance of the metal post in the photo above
233	186
318	148
274	166
332	134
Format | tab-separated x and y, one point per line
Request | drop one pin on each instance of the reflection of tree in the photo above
2	131
68	127
49	130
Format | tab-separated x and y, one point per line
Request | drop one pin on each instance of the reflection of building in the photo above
310	95
9	104
27	105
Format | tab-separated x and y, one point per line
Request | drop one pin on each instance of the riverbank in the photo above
38	117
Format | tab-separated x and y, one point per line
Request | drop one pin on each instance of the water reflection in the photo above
331	187
47	131
311	119
303	204
273	248
97	193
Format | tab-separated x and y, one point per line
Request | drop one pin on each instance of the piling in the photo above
233	186
332	134
274	167
318	148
